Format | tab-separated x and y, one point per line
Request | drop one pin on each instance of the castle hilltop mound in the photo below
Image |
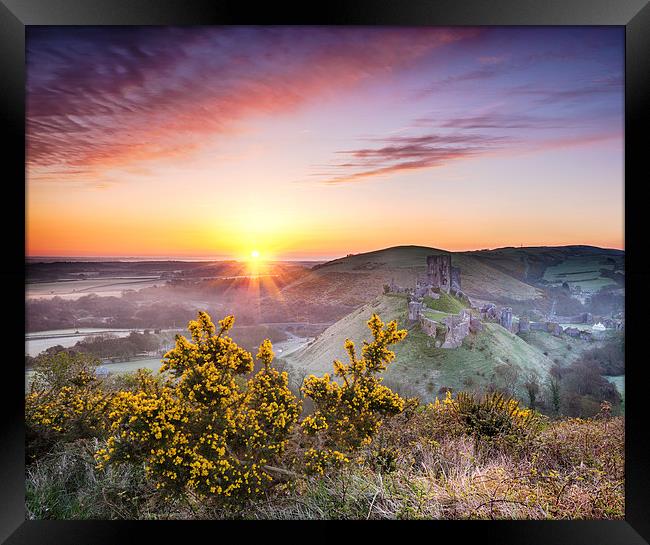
489	356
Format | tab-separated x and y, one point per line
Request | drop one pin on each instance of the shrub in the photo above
54	369
66	402
493	418
347	416
200	431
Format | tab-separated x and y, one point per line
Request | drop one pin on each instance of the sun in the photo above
255	254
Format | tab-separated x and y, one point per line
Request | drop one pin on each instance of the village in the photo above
449	330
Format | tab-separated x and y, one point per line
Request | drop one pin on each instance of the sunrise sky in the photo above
307	142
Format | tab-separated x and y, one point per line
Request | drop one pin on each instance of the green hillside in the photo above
446	303
317	357
483	358
586	266
561	349
420	368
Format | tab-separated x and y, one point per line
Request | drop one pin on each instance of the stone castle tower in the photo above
439	271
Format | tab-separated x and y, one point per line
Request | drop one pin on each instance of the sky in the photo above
316	142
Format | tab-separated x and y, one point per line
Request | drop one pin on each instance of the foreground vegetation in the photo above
211	438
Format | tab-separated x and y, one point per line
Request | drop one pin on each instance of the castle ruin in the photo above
455	279
415	308
439	272
506	318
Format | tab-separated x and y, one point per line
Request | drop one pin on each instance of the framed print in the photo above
373	262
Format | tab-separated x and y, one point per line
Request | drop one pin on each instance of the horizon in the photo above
190	258
294	142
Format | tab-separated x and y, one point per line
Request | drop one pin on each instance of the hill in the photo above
518	277
421	369
586	266
331	290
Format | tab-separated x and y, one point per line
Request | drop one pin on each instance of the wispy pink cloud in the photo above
408	153
101	99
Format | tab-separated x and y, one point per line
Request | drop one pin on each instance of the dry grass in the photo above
573	470
418	467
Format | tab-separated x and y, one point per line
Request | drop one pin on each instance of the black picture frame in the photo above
634	15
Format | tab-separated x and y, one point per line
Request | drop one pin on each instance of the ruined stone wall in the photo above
475	325
524	324
457	329
439	271
428	325
489	312
538	326
572	332
506	318
455	278
549	327
415	308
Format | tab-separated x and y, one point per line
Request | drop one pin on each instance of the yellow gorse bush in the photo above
493	415
72	411
348	415
199	430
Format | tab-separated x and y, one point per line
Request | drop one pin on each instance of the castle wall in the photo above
439	271
428	326
506	318
524	324
415	307
457	329
455	278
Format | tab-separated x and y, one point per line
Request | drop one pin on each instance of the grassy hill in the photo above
333	289
446	303
562	349
586	266
510	276
420	368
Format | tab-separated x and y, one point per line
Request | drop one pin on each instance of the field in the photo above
74	289
582	271
35	343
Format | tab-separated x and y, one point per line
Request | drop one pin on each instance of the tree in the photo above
532	389
554	391
54	369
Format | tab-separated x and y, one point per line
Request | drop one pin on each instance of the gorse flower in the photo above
71	411
202	428
199	430
348	415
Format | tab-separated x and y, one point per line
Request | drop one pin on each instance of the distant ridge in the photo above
407	247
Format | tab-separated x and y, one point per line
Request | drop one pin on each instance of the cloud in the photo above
610	85
498	120
407	153
491	67
100	99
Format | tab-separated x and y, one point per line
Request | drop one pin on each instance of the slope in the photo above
421	369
